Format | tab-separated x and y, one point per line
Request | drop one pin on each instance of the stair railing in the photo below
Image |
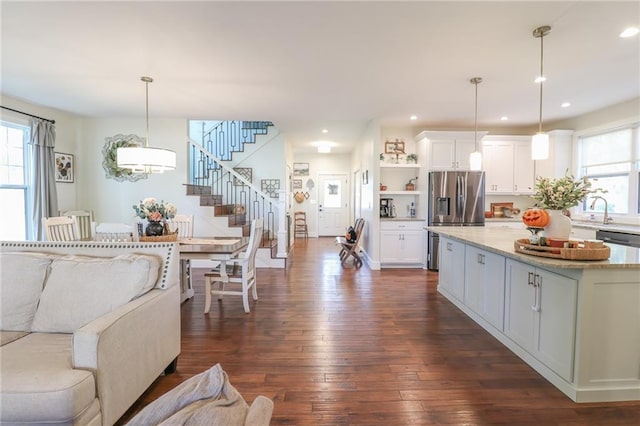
229	136
233	189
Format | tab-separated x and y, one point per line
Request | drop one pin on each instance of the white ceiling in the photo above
313	65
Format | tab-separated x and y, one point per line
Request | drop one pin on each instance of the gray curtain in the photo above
43	178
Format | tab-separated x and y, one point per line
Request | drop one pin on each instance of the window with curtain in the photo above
611	160
14	181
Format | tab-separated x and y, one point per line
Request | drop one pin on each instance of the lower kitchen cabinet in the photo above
484	284
451	267
401	243
540	315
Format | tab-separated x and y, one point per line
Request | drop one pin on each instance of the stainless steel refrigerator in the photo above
455	199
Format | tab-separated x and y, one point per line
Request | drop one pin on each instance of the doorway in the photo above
333	204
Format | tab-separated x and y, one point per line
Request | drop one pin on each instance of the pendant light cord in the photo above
147	80
475	134
541	79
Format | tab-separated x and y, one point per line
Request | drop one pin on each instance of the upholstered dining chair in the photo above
60	228
84	220
240	271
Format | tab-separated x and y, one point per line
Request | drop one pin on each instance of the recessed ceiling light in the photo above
540	79
325	131
504	118
629	32
324	149
565	104
413	117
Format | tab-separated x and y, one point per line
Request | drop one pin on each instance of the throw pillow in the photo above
80	289
22	277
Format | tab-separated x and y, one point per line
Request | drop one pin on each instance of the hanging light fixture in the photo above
540	141
475	159
145	159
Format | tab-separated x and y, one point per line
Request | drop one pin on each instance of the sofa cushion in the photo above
39	384
80	289
21	282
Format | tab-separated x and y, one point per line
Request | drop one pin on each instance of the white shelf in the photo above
400	166
400	192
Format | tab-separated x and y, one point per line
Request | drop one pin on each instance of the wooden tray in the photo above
581	253
160	238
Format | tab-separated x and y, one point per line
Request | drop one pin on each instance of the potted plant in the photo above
412	158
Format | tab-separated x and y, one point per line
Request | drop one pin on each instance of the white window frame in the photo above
632	123
26	185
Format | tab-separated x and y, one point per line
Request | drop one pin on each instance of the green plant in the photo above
412	158
562	193
381	157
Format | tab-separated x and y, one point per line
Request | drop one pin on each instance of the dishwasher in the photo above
617	237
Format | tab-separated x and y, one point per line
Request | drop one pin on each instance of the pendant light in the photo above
145	159
540	141
475	159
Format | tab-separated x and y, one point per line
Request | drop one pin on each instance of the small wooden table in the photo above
220	249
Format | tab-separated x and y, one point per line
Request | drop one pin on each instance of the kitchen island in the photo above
577	323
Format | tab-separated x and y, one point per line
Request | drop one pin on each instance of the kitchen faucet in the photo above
606	220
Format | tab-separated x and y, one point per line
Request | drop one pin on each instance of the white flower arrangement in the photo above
150	209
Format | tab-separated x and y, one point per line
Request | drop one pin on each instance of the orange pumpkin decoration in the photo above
535	218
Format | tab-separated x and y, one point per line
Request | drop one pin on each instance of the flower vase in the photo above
559	226
154	229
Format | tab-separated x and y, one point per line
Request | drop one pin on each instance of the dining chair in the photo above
351	249
114	232
183	223
84	220
300	224
239	271
60	228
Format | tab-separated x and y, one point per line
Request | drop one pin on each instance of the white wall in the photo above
319	164
66	140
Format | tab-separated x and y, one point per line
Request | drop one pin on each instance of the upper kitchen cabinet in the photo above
508	164
560	149
449	150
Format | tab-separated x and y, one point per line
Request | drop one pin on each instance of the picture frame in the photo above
65	167
301	169
396	147
297	184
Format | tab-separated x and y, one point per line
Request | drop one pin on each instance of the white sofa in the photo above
86	328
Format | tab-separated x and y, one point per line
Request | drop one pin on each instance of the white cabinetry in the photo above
401	242
451	267
540	312
449	150
508	164
484	284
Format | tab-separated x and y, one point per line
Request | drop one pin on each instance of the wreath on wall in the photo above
110	157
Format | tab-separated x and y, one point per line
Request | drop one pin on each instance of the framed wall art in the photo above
297	184
396	147
65	167
301	169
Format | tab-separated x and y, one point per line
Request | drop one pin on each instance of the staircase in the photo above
227	190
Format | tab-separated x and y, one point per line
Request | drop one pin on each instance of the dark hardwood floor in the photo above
333	345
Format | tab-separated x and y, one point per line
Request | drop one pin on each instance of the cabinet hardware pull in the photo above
479	259
530	279
536	294
449	247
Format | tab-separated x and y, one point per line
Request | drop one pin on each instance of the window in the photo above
610	160
13	181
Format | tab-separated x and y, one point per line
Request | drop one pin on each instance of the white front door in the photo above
333	204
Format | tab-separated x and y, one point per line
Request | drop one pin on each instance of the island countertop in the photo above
501	241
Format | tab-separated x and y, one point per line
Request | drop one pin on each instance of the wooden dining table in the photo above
218	249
